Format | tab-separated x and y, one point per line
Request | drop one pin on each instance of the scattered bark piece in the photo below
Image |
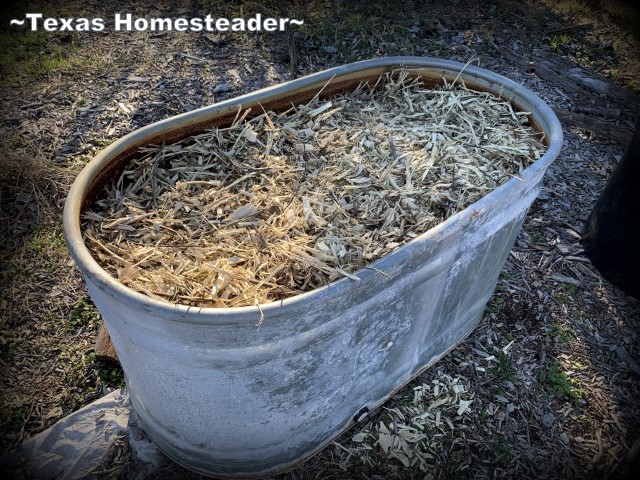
104	347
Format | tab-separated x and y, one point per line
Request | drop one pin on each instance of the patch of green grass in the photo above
47	238
558	42
15	273
632	82
110	373
584	422
578	366
538	238
505	276
43	251
83	374
73	363
494	306
563	333
555	381
484	416
504	368
27	55
385	417
84	314
30	55
565	296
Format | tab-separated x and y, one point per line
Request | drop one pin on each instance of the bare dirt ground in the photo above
553	367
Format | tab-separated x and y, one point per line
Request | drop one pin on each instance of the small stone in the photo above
221	88
548	419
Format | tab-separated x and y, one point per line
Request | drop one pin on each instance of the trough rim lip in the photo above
95	274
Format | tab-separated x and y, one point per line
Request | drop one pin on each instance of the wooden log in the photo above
544	71
104	347
599	127
565	74
598	88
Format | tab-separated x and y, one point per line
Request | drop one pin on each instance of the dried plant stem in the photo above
283	203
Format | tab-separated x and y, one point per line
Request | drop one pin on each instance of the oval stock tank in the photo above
224	398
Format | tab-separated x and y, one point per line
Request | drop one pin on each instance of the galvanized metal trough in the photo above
224	398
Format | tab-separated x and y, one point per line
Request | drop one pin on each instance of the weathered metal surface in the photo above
223	397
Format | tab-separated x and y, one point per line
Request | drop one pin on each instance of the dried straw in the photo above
282	203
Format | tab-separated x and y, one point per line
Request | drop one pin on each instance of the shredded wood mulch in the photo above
283	203
552	371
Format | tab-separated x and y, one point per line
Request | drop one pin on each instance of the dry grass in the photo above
282	203
415	432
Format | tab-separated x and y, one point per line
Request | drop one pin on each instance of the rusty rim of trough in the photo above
111	160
